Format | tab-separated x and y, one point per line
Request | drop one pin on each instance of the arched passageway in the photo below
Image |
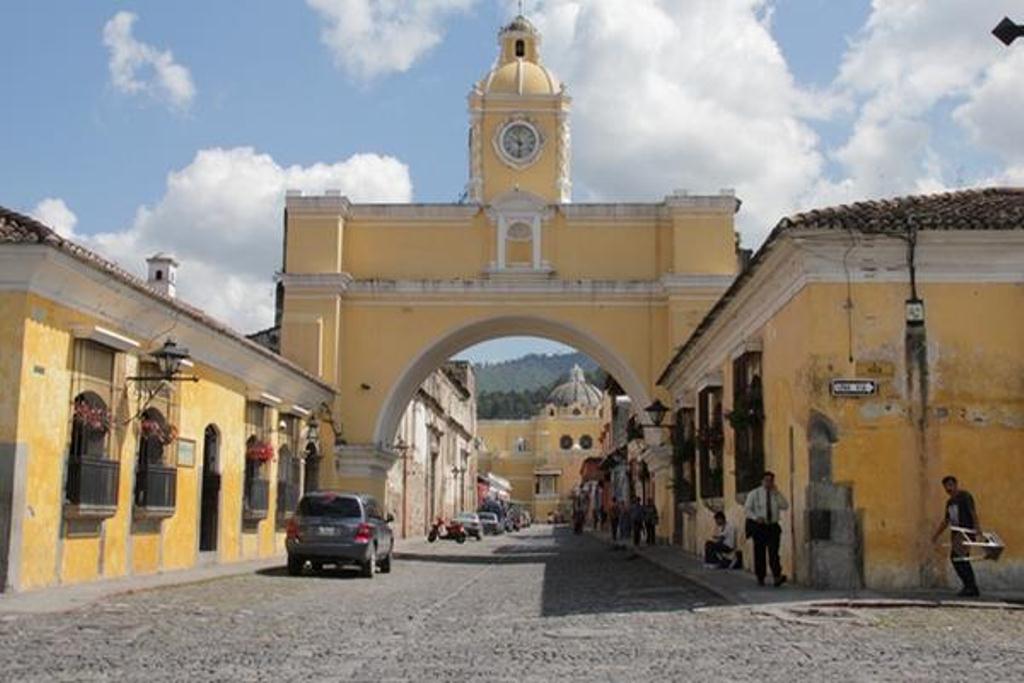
477	331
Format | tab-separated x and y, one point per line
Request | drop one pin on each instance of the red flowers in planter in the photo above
153	429
260	451
94	418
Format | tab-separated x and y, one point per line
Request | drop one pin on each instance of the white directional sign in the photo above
854	387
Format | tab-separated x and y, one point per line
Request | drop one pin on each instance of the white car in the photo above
470	521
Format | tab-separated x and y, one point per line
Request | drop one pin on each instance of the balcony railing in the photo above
92	487
155	491
257	499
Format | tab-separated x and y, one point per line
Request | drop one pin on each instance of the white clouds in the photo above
370	38
221	217
993	114
910	62
53	212
138	68
665	98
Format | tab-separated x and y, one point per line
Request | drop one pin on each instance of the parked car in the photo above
490	522
471	523
339	529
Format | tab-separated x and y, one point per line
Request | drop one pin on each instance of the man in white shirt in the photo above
763	507
719	550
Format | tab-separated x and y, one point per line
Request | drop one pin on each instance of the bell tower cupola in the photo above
519	124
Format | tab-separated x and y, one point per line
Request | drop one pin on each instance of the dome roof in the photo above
520	77
520	24
577	391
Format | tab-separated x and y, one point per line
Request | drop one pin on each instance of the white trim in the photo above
263	397
712	380
753	345
299	410
102	335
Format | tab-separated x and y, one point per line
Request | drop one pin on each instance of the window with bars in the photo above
258	452
747	421
709	441
684	448
289	469
92	471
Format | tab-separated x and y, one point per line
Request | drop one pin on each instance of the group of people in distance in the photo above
638	521
762	513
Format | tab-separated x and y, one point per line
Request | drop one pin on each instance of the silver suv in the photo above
339	529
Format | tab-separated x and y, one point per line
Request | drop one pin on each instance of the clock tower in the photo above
519	124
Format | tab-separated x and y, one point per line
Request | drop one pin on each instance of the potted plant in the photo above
153	429
93	418
259	451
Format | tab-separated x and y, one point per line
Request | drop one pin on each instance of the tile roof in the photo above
981	209
16	228
992	208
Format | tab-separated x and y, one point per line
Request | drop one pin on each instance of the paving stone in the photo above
535	606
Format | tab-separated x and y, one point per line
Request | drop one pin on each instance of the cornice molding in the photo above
825	256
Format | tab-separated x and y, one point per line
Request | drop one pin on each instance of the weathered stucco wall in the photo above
973	426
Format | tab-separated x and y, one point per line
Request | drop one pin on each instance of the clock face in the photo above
519	141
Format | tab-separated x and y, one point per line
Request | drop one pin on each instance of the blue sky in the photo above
795	103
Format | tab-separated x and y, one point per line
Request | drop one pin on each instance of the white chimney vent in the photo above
162	273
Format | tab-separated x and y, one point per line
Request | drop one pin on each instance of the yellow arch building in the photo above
376	296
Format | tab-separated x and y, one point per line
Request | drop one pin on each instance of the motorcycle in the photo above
451	530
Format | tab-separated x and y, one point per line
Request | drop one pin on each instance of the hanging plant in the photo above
747	411
153	429
93	418
260	451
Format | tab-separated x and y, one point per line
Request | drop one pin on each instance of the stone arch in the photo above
821	435
833	525
477	331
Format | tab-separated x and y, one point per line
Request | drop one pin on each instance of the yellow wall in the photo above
58	550
975	419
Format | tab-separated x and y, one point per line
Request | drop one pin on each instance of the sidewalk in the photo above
66	598
739	587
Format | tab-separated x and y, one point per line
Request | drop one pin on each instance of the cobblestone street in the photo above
539	605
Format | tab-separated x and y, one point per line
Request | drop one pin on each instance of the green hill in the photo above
518	388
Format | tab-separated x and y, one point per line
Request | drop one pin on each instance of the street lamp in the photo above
657	411
169	359
312	432
1008	31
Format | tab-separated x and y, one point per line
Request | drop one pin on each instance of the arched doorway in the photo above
210	498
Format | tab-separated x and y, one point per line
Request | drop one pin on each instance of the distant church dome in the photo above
577	391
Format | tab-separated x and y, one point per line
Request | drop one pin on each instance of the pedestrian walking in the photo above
960	513
613	516
651	522
762	508
625	524
636	518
